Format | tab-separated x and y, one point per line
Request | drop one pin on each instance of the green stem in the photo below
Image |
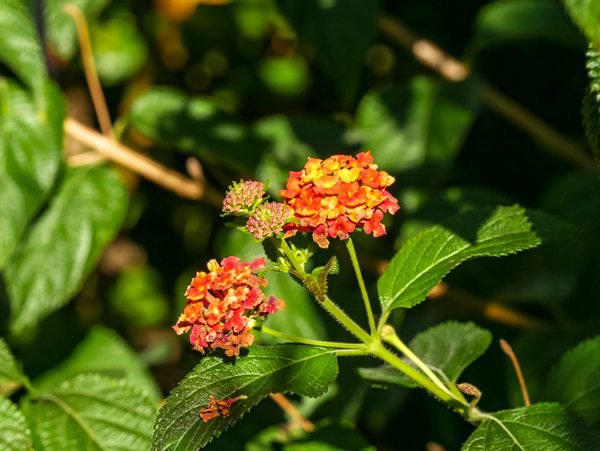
345	320
389	336
310	341
326	302
380	351
361	284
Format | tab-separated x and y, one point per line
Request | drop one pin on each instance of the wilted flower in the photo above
268	220
222	303
218	407
332	197
243	197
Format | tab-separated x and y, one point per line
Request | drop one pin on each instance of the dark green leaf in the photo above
448	349
61	28
505	21
31	141
427	257
591	102
196	125
14	432
106	353
11	377
65	244
586	15
19	45
574	382
321	27
420	126
305	370
91	412
542	426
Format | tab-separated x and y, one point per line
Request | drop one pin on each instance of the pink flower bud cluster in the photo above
269	220
243	197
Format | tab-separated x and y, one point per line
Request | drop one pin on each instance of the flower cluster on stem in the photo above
223	304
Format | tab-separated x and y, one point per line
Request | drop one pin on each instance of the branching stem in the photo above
361	284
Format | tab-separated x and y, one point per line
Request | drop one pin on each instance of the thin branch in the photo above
449	68
146	167
513	358
291	410
89	69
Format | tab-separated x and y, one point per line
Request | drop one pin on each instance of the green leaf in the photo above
586	15
103	352
11	377
316	21
119	48
304	370
427	257
545	426
91	412
591	102
14	432
448	349
31	142
422	125
61	28
19	45
574	381
196	125
505	21
65	244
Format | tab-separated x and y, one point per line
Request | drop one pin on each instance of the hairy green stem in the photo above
310	341
388	335
361	284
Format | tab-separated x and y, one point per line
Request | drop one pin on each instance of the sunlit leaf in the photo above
31	142
427	257
195	125
586	15
11	377
65	244
19	46
91	412
14	432
304	370
505	21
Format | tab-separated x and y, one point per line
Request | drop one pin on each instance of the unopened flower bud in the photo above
243	197
268	220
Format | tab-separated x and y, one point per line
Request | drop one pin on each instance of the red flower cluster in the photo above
221	304
332	197
218	408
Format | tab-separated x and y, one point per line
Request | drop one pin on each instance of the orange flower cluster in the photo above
222	303
218	408
332	197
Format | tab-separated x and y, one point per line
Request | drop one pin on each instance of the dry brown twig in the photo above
507	349
291	410
106	147
449	68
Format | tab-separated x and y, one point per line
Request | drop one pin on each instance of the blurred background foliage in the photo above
251	88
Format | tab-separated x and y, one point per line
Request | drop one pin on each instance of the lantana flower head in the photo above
268	220
223	304
243	197
333	197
